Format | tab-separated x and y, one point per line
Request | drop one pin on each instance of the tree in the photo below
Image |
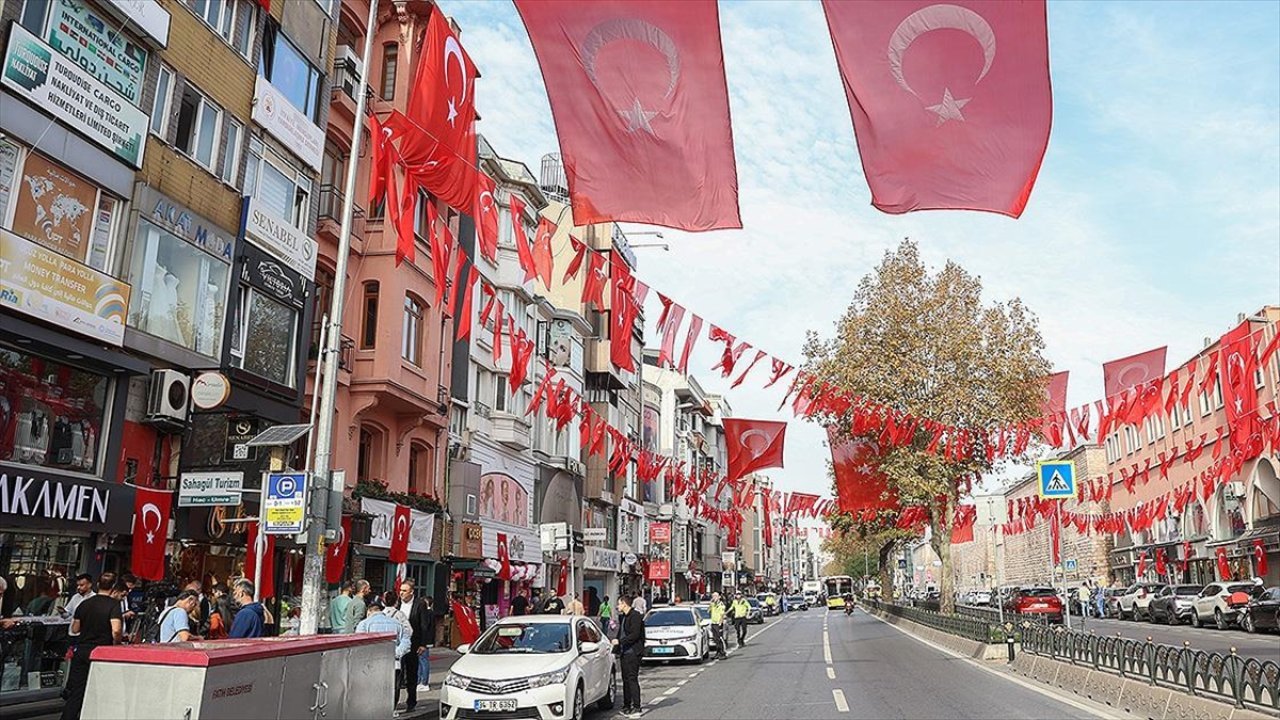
926	344
860	548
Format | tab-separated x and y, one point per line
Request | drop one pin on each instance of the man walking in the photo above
741	610
377	621
717	624
97	622
421	620
250	619
606	614
338	608
356	608
630	647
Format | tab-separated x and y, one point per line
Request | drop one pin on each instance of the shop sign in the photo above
280	238
147	16
209	390
183	223
632	507
421	525
57	85
288	124
284	503
659	551
630	559
41	283
472	545
483	572
266	273
598	558
595	534
98	46
729	560
239	432
197	489
33	499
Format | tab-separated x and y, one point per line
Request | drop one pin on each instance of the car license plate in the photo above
664	651
1038	606
506	706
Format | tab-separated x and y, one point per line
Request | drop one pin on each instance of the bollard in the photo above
1008	642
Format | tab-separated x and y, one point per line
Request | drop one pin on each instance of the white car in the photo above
1211	604
980	597
534	666
1135	603
676	633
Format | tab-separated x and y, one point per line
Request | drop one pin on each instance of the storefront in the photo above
423	566
600	568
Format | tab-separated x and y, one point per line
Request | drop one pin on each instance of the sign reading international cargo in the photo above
55	84
97	45
197	489
284	503
41	283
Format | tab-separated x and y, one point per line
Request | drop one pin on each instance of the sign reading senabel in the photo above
56	85
280	238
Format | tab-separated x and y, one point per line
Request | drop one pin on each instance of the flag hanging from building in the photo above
951	103
1239	389
401	523
485	213
335	556
638	95
1133	371
150	532
266	544
753	445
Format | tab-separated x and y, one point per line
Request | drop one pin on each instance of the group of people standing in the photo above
412	619
735	611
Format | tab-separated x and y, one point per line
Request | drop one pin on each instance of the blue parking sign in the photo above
1057	479
284	506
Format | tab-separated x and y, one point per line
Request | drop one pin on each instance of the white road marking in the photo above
681	683
831	673
826	647
841	704
656	700
670	691
694	674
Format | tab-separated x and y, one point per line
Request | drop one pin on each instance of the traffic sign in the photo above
1057	479
284	505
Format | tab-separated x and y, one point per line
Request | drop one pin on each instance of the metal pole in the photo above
313	567
315	392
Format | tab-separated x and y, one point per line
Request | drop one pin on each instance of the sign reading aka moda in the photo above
30	497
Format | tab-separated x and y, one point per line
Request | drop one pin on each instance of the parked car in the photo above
1211	604
1136	599
797	602
1111	601
675	633
1172	604
532	666
980	598
1042	602
756	615
1262	612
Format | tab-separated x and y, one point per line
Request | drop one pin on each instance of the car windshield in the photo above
511	638
1187	590
1039	592
668	618
704	613
1243	587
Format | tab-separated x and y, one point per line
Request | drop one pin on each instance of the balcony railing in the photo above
331	198
345	346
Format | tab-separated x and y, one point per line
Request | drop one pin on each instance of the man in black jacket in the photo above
630	647
423	623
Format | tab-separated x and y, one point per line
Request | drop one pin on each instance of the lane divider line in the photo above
681	683
841	704
657	700
670	691
831	673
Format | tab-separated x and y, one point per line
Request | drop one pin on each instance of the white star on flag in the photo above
638	118
949	108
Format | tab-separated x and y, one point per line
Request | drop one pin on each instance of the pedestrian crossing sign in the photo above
1057	479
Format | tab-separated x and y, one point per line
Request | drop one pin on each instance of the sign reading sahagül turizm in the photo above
55	84
210	488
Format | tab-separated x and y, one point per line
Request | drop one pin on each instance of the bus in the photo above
837	587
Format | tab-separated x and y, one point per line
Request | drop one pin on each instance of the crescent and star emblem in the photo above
486	202
1137	371
151	509
941	17
342	541
401	526
601	36
752	447
453	50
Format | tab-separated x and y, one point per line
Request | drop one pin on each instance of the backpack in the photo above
152	633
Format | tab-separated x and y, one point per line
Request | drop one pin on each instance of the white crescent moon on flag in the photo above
400	522
755	452
630	29
486	195
454	50
1137	371
151	509
940	17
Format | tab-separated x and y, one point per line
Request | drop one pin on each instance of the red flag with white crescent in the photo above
638	94
562	584
1133	371
335	556
504	557
401	523
1224	567
753	445
951	102
1260	557
485	213
1239	391
267	545
150	531
1055	394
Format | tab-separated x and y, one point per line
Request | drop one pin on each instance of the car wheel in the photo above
607	701
1151	617
1173	617
577	704
1247	622
1218	620
1195	619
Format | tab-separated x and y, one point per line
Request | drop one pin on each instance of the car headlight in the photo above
687	638
462	682
551	678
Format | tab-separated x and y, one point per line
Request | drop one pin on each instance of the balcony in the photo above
510	430
345	346
330	223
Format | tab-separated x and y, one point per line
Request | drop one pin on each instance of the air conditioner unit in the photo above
168	398
1235	489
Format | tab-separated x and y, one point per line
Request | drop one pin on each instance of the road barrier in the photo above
1244	682
965	627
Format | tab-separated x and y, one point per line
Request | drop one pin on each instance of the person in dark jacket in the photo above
250	620
630	647
423	622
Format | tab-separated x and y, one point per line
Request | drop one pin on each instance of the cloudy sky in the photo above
1155	220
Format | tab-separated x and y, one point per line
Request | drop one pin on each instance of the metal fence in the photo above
1242	681
966	627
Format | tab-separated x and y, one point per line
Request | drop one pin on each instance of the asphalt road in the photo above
873	671
1262	645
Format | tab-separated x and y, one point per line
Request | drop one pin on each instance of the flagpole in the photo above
321	482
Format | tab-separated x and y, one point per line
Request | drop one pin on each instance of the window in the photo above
500	394
179	290
390	52
369	326
471	504
265	339
231	153
161	103
418	468
411	331
55	412
369	454
33	15
288	70
232	20
276	185
198	123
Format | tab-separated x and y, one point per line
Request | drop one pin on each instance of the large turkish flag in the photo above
1239	391
951	102
335	556
753	445
638	95
150	532
1055	394
860	485
267	585
1133	371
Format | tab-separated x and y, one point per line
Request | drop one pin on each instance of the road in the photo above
874	671
1263	646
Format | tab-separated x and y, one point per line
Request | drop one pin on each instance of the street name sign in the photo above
1057	479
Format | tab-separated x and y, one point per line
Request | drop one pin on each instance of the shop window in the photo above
179	291
51	414
288	70
231	20
411	331
275	184
390	53
369	315
198	124
266	336
161	103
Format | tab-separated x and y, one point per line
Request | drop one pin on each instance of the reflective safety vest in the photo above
771	600
717	613
741	609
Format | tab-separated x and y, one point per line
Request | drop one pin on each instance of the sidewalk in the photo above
442	658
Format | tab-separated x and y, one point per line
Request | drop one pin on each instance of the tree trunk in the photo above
886	570
941	522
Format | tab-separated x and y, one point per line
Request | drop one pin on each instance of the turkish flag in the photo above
962	526
1160	563
1133	371
622	314
150	531
562	584
1055	394
267	582
485	213
1260	557
1224	567
542	260
1239	391
335	556
442	106
524	253
638	95
753	445
951	103
860	485
1142	564
468	623
504	558
766	502
401	522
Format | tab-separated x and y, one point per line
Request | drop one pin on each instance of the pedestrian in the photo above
338	607
97	622
630	647
219	613
553	606
377	620
419	619
1082	598
520	603
250	619
740	612
593	602
390	600
355	609
535	602
175	622
606	614
641	605
84	591
576	607
717	623
424	663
